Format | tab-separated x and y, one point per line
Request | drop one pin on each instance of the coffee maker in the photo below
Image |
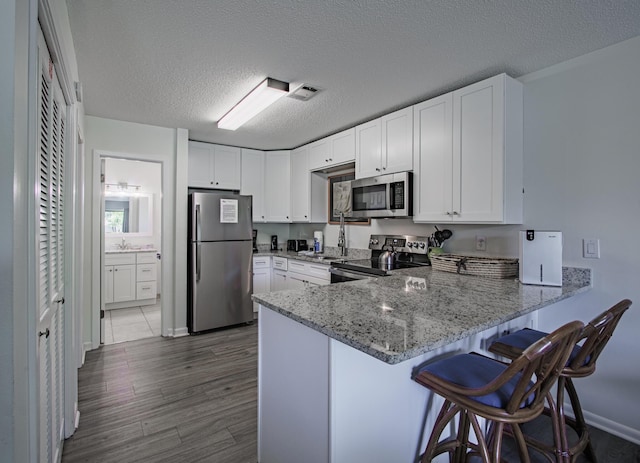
274	242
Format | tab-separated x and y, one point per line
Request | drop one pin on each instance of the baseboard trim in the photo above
87	346
605	424
178	332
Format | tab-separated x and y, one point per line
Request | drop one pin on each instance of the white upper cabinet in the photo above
385	145
277	178
308	190
468	154
332	151
214	166
252	181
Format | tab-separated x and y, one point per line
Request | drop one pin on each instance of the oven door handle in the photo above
351	274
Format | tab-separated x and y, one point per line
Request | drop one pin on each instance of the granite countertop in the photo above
331	254
129	250
414	311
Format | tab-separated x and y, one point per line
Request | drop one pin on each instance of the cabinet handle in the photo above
115	269
146	271
217	183
448	213
44	333
59	301
377	169
384	168
211	183
330	159
455	213
146	287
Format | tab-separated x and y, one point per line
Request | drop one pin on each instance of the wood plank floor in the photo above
194	399
160	399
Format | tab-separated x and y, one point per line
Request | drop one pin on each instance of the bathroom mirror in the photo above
128	215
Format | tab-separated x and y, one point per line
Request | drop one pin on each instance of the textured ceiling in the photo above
185	63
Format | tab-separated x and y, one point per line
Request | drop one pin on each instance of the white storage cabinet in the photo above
308	190
385	145
332	151
214	166
469	154
279	280
302	274
252	181
130	279
261	276
278	186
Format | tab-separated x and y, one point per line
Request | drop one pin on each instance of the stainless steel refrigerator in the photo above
219	261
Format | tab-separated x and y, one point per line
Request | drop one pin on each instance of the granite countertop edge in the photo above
576	281
129	251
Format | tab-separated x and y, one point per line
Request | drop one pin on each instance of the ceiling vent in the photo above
303	93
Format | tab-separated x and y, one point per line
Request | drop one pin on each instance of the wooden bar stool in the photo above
474	385
581	363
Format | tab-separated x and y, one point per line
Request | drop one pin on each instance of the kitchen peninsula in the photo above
335	362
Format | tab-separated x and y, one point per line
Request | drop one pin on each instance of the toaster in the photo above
297	245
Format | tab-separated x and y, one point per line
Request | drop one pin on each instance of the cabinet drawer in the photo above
297	266
146	258
146	272
119	258
262	262
319	271
279	263
146	290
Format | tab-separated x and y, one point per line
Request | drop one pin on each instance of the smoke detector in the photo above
303	93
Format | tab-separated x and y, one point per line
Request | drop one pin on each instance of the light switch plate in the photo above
591	248
481	243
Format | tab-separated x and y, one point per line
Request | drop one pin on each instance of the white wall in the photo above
581	167
138	141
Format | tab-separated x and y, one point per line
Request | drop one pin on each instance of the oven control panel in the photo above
400	243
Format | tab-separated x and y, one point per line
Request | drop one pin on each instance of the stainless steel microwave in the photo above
384	196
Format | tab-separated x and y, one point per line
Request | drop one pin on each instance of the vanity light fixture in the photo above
257	100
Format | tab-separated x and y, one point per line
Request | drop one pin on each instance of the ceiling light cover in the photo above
265	94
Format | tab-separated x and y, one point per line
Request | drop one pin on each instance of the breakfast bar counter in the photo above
335	362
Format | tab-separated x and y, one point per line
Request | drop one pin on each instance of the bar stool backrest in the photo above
596	335
543	360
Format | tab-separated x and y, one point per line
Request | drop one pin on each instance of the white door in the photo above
368	149
397	141
253	181
124	283
226	167
51	148
200	165
278	186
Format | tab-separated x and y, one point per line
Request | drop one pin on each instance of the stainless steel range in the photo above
388	252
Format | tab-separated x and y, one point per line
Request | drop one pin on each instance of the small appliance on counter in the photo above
318	241
297	245
255	240
274	242
541	257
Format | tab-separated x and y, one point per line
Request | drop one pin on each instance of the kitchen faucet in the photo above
341	240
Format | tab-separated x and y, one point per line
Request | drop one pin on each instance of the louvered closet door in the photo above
51	149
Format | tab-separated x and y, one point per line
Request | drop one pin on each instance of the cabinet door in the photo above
261	283
124	283
343	147
226	167
296	281
278	186
108	284
397	141
319	154
252	183
368	149
200	165
300	185
278	280
432	166
478	155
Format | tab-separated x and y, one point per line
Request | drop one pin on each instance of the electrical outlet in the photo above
481	243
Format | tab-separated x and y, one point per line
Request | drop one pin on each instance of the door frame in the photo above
97	249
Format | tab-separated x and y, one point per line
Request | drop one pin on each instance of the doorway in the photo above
131	209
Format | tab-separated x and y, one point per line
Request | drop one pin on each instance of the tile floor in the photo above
132	323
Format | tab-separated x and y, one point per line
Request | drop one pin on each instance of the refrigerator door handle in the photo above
198	260
198	229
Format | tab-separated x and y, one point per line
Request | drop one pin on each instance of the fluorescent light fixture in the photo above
258	99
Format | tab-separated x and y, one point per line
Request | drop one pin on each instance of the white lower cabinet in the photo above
303	274
261	276
130	279
279	280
